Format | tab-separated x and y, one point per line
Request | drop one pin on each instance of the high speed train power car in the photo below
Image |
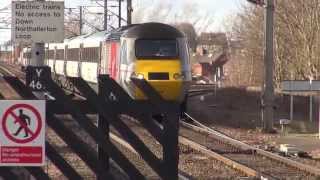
153	51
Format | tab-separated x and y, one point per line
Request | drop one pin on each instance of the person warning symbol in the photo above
24	121
21	118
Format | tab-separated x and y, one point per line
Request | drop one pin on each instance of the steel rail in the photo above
243	168
220	136
246	170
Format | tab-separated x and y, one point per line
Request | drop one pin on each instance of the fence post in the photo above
103	125
170	159
170	146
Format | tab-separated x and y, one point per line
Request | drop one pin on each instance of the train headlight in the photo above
137	75
140	76
178	76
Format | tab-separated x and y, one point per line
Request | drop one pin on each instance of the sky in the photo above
218	9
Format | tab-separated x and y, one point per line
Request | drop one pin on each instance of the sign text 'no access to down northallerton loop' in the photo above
37	21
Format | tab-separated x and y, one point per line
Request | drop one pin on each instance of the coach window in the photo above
90	54
95	54
60	54
51	54
73	54
84	54
28	55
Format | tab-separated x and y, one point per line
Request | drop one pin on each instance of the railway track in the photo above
10	70
202	89
198	164
252	160
188	155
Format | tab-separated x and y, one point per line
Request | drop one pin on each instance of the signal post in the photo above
267	100
46	27
35	30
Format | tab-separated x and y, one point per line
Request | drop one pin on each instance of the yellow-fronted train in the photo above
154	51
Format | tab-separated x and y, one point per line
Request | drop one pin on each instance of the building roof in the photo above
218	59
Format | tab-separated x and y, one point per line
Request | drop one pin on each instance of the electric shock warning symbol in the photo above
21	123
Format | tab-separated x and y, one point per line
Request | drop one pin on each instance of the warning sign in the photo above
34	21
22	133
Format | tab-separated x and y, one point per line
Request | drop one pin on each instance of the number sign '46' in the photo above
36	76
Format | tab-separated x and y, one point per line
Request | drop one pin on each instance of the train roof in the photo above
153	31
117	33
101	35
94	39
141	31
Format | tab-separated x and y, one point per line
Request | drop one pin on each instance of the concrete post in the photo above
268	97
129	12
105	15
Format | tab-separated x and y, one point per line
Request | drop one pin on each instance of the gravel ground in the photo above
258	139
236	114
250	136
269	167
194	163
200	166
71	157
67	153
257	162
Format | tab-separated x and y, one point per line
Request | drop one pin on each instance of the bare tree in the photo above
297	39
165	11
245	66
297	27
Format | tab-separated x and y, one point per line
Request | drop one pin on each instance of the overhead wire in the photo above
6	20
85	21
6	7
113	13
100	17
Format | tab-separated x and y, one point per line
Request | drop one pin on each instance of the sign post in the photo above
36	23
22	133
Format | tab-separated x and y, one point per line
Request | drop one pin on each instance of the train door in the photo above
113	61
105	52
123	69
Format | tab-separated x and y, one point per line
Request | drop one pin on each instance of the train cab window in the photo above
156	49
